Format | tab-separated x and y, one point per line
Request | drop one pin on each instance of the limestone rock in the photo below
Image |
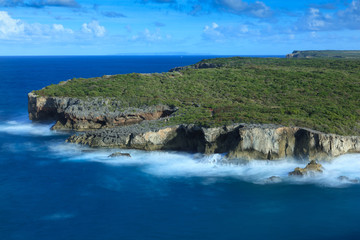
311	169
92	113
239	141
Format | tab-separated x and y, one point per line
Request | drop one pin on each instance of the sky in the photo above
177	27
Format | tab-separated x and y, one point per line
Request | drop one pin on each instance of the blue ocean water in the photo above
50	189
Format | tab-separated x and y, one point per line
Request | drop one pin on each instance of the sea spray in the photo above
26	128
340	172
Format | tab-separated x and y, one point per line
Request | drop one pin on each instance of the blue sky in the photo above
224	27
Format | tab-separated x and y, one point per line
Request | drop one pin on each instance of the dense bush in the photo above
322	94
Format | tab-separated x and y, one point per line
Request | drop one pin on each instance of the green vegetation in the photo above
325	54
322	94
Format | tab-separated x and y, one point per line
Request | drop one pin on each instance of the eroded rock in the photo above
240	141
92	113
311	169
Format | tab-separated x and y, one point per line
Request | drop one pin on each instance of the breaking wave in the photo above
340	172
26	128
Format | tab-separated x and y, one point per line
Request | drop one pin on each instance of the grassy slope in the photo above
321	94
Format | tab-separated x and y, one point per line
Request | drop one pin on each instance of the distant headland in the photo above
348	54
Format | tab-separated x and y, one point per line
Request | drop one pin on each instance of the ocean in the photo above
50	189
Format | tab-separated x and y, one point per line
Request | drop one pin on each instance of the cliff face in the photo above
243	141
95	113
239	141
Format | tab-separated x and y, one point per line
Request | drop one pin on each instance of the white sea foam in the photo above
174	164
26	128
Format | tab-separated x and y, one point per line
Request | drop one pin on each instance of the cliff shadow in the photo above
191	139
302	144
228	141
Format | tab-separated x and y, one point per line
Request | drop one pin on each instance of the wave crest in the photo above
341	172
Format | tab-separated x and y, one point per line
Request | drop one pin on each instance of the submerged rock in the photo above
273	179
119	154
347	179
311	169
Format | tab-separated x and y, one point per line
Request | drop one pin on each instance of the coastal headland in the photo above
248	108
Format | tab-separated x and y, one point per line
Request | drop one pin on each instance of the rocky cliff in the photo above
241	141
88	114
119	127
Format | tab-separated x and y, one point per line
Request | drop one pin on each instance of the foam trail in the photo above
175	164
26	128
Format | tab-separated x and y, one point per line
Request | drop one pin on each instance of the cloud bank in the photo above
16	29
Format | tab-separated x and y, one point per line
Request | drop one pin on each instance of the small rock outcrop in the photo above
311	169
89	114
119	154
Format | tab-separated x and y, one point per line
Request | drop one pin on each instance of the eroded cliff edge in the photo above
240	141
92	113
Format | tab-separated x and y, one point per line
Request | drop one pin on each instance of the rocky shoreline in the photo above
238	141
114	126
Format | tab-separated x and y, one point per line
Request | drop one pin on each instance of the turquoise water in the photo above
53	190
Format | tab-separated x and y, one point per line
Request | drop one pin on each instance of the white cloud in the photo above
149	36
10	27
316	20
16	29
222	33
350	17
94	28
60	29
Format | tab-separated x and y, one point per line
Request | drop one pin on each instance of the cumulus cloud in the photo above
350	17
16	29
149	36
93	28
316	20
222	33
10	27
